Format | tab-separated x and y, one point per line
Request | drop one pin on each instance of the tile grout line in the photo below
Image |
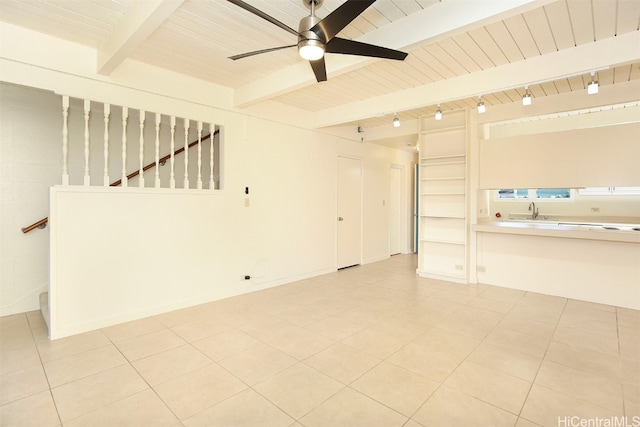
55	404
624	402
543	359
467	356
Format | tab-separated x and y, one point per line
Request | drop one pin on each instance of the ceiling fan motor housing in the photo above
308	37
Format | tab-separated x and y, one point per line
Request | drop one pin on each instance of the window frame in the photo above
496	196
609	191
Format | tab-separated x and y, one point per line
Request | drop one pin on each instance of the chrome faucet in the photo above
534	211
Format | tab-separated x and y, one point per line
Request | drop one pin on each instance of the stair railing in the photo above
213	131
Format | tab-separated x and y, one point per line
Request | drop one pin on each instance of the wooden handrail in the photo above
43	222
40	224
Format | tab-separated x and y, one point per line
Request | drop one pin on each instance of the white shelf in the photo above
443	161
447	242
443	216
448	156
443	203
444	178
450	193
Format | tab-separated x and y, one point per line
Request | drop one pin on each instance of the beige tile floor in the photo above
368	346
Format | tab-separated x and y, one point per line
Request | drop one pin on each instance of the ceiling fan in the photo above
318	36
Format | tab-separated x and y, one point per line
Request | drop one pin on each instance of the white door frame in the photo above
360	199
403	209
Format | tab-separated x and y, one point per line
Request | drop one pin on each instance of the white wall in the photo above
605	156
30	159
286	233
589	148
604	272
126	253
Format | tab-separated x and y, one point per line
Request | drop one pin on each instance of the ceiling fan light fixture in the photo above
311	50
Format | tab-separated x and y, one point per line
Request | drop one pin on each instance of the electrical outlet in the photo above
481	269
246	202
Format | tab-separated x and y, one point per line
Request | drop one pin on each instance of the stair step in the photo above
44	307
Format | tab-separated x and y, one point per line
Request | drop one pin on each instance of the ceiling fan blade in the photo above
352	47
258	52
261	14
319	69
340	18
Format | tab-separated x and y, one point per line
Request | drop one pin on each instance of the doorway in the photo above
349	239
395	210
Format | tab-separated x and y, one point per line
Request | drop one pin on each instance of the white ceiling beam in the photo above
431	24
138	22
582	59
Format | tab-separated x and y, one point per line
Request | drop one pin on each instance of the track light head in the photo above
592	87
526	98
396	122
481	106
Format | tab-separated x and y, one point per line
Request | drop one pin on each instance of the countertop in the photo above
570	230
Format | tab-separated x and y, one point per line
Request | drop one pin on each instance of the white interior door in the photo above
395	211
349	212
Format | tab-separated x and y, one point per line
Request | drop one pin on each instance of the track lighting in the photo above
396	122
526	98
592	87
438	113
481	106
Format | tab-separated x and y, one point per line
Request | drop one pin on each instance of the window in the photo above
609	191
513	193
539	193
553	193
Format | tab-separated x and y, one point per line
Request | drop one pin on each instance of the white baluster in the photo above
157	183
212	130
199	155
172	180
141	152
105	177
65	140
186	153
87	111
125	116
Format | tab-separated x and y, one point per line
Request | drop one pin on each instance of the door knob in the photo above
340	218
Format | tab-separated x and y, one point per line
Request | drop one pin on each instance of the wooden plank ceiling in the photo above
200	35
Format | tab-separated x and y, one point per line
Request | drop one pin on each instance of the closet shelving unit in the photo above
443	230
